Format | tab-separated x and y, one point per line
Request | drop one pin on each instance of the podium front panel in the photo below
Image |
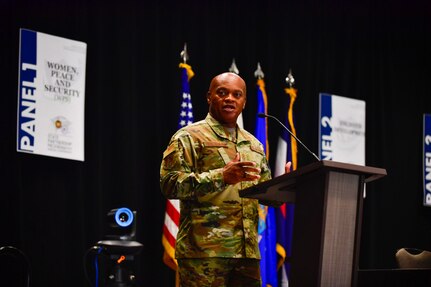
325	226
339	230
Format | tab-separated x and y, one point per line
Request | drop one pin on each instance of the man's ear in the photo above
208	97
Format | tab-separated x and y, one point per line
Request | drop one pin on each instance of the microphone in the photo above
262	115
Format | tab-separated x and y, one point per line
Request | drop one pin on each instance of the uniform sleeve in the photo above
179	178
265	173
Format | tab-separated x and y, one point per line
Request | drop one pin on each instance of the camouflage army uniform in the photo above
214	220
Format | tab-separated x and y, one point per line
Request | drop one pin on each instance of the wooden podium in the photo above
328	198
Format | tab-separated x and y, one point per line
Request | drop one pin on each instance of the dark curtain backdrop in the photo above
54	209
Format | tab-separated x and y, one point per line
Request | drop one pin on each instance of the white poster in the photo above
342	129
51	94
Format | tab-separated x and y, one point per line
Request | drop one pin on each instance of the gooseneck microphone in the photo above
262	115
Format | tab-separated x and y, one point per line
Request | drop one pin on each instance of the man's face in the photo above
226	98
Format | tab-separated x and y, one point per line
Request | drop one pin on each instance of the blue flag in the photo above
286	151
266	227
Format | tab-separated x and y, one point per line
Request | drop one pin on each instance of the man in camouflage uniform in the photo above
205	165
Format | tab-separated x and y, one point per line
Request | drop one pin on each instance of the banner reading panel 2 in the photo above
342	129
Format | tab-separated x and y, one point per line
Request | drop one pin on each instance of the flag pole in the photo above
185	56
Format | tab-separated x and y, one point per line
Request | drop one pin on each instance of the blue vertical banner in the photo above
325	128
427	160
266	226
27	91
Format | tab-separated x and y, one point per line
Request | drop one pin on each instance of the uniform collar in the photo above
218	128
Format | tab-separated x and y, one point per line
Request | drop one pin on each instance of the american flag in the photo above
186	113
172	213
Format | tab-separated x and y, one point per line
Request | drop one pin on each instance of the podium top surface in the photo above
370	173
279	188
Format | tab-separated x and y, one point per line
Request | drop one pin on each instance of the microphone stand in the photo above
272	117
